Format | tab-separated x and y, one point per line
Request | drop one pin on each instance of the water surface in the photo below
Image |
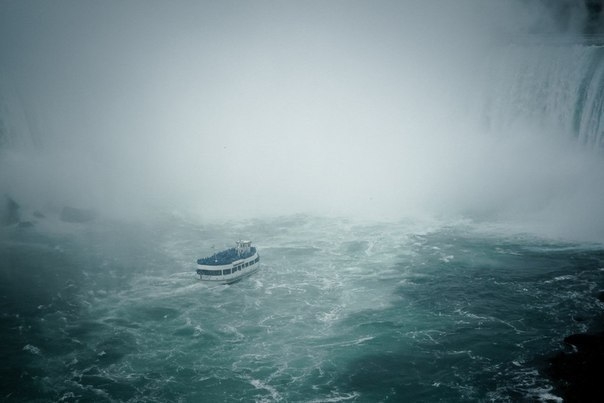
340	311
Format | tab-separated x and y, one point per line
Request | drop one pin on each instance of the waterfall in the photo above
555	87
15	129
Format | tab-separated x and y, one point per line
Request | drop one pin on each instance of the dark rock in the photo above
10	215
601	296
586	342
578	374
77	215
594	8
593	20
38	214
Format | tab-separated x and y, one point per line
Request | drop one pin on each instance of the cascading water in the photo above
15	131
554	87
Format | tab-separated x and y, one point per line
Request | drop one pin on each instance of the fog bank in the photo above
236	109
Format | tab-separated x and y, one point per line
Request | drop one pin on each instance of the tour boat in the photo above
230	265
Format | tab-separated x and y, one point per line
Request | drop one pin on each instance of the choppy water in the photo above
340	311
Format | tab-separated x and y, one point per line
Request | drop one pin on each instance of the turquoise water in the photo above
340	311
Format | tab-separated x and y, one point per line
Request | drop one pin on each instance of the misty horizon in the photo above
231	110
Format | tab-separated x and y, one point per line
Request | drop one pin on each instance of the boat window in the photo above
227	271
257	259
211	272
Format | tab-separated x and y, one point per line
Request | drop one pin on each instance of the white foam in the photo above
258	384
447	259
336	398
545	395
32	349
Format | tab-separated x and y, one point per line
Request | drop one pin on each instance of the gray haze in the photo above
230	109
